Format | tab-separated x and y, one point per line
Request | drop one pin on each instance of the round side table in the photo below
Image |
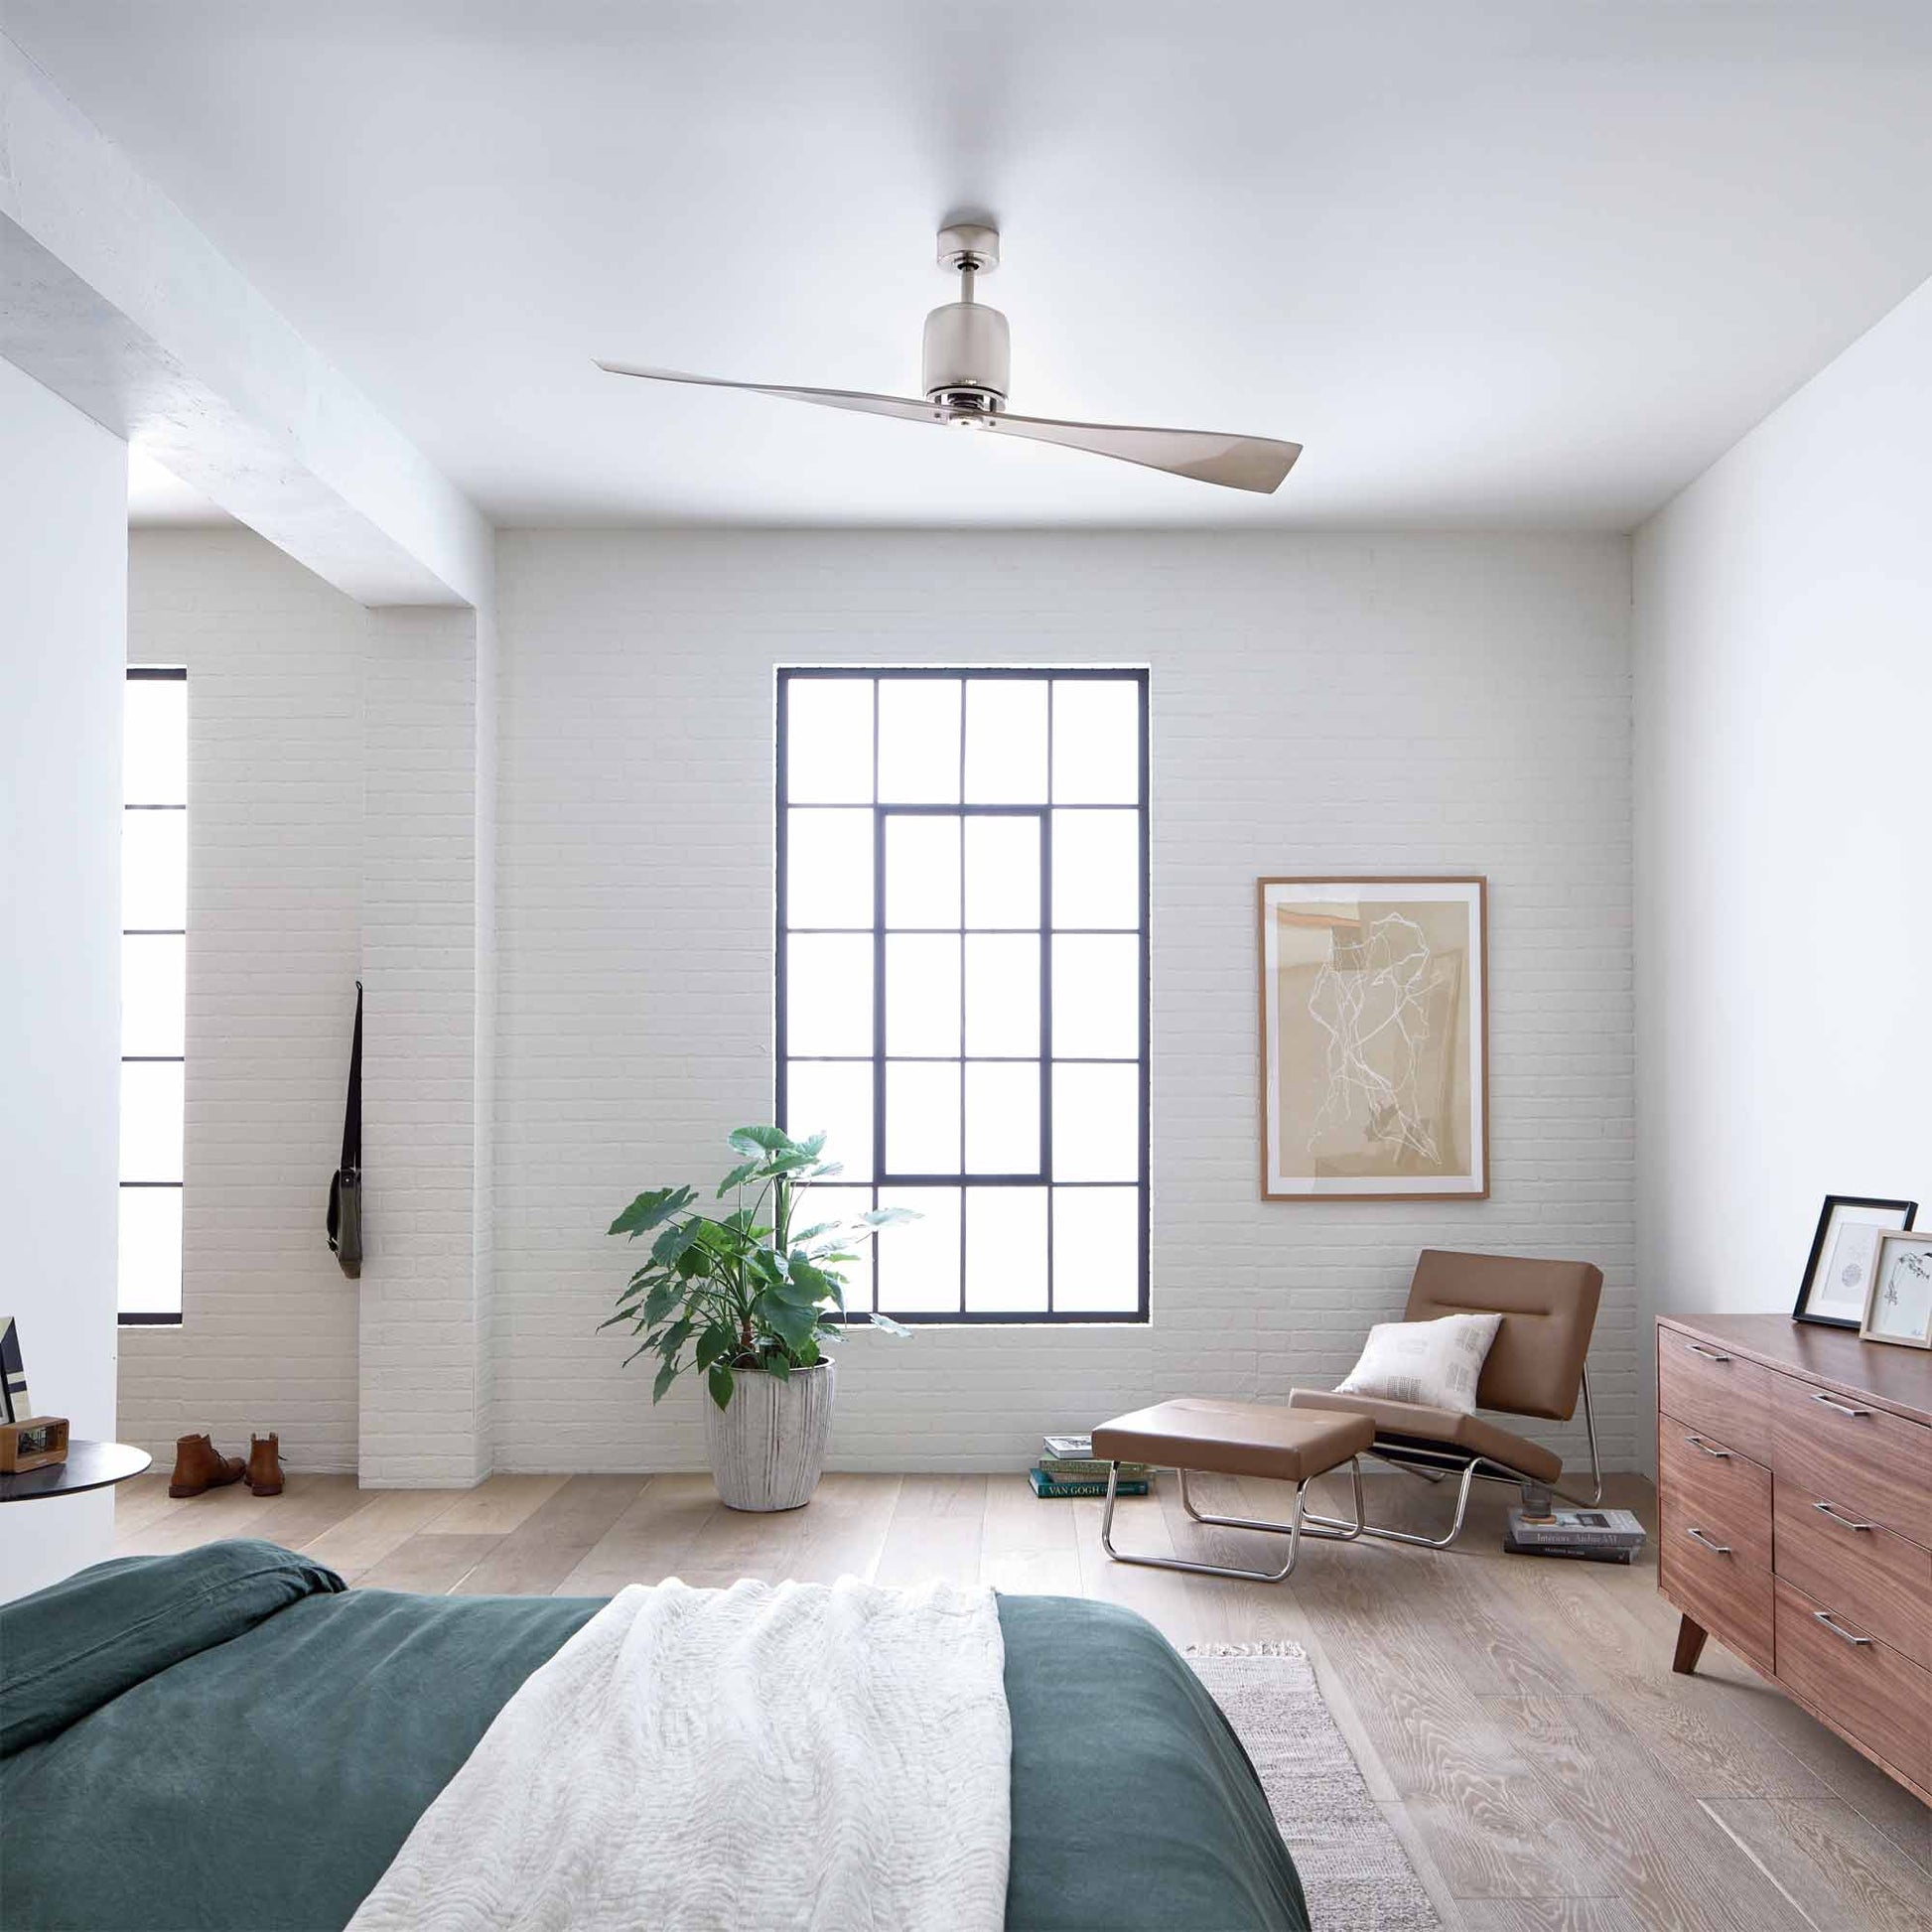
89	1466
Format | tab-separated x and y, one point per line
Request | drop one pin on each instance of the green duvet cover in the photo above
228	1739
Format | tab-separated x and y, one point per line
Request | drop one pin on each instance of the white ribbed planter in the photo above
767	1445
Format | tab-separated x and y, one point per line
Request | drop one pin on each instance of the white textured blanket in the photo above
753	1758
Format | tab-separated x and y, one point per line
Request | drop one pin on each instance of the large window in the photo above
154	979
962	979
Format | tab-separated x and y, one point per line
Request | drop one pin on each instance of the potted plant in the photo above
752	1300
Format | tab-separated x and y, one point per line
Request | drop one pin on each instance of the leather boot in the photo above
197	1467
265	1465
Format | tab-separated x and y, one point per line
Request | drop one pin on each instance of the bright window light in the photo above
962	979
154	991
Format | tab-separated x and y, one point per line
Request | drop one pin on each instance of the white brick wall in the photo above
1444	703
275	693
426	1276
334	833
1429	703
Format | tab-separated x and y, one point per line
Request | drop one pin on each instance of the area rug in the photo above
1357	1875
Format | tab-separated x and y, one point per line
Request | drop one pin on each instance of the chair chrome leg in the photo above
1333	1524
1294	1529
1596	1495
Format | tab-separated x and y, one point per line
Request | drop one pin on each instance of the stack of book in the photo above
1591	1535
1066	1468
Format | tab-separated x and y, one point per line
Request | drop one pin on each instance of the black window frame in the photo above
1047	675
148	1318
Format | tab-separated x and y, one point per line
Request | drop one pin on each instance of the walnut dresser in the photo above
1794	1502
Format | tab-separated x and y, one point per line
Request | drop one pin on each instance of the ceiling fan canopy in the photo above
966	364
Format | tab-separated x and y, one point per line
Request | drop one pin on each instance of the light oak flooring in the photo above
1517	1719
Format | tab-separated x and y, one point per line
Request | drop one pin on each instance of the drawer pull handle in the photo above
1704	1448
1837	1629
1842	1521
1843	1408
1709	1354
1716	1547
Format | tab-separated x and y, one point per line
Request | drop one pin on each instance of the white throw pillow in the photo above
1434	1364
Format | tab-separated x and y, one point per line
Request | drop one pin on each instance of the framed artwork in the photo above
1900	1307
1374	1039
1843	1251
16	1405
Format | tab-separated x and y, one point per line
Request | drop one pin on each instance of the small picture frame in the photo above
1900	1307
16	1405
1844	1252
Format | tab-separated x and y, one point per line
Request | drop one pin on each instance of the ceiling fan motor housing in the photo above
967	356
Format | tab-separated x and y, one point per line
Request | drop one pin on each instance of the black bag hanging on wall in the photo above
346	1187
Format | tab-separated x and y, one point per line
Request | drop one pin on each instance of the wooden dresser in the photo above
1794	1498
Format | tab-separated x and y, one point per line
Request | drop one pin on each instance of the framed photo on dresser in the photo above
1900	1305
1843	1254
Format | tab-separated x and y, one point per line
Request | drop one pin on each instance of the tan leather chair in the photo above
1535	1367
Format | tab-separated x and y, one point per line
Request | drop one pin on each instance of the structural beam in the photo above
111	296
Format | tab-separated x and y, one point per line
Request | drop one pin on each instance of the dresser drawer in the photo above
1874	1465
1867	1689
1713	1584
1716	1393
1881	1583
1725	1494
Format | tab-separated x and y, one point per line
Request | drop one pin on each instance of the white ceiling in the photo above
1494	262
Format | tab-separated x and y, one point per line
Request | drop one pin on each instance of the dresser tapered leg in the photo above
1690	1645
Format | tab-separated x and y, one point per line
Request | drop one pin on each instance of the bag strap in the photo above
353	1114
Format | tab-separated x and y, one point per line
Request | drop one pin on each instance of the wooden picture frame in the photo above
1374	1037
1836	1280
1898	1305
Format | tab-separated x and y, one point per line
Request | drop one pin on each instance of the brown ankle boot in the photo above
199	1468
265	1465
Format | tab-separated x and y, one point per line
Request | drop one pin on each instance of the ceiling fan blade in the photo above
1257	463
906	408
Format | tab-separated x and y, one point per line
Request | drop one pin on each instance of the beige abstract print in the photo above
1372	1047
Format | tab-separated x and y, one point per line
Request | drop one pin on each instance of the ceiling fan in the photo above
966	362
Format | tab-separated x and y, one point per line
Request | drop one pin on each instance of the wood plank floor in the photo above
1517	1721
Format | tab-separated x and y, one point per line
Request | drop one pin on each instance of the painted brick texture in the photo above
275	693
1448	704
587	1008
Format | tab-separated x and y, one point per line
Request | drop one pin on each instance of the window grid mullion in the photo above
1044	1060
963	694
1047	995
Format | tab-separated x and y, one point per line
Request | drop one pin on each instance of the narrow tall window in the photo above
962	979
154	979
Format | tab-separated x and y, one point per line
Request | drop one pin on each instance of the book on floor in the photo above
1079	1468
1046	1485
1606	1529
1574	1551
1075	1448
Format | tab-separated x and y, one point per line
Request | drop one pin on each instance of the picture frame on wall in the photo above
1899	1307
1843	1253
1374	1078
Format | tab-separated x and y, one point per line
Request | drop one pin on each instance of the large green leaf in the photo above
738	1177
890	1327
888	1217
665	1377
793	1325
670	1244
662	1299
720	1379
760	1140
715	1342
652	1209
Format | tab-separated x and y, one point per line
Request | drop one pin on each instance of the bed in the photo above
231	1739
